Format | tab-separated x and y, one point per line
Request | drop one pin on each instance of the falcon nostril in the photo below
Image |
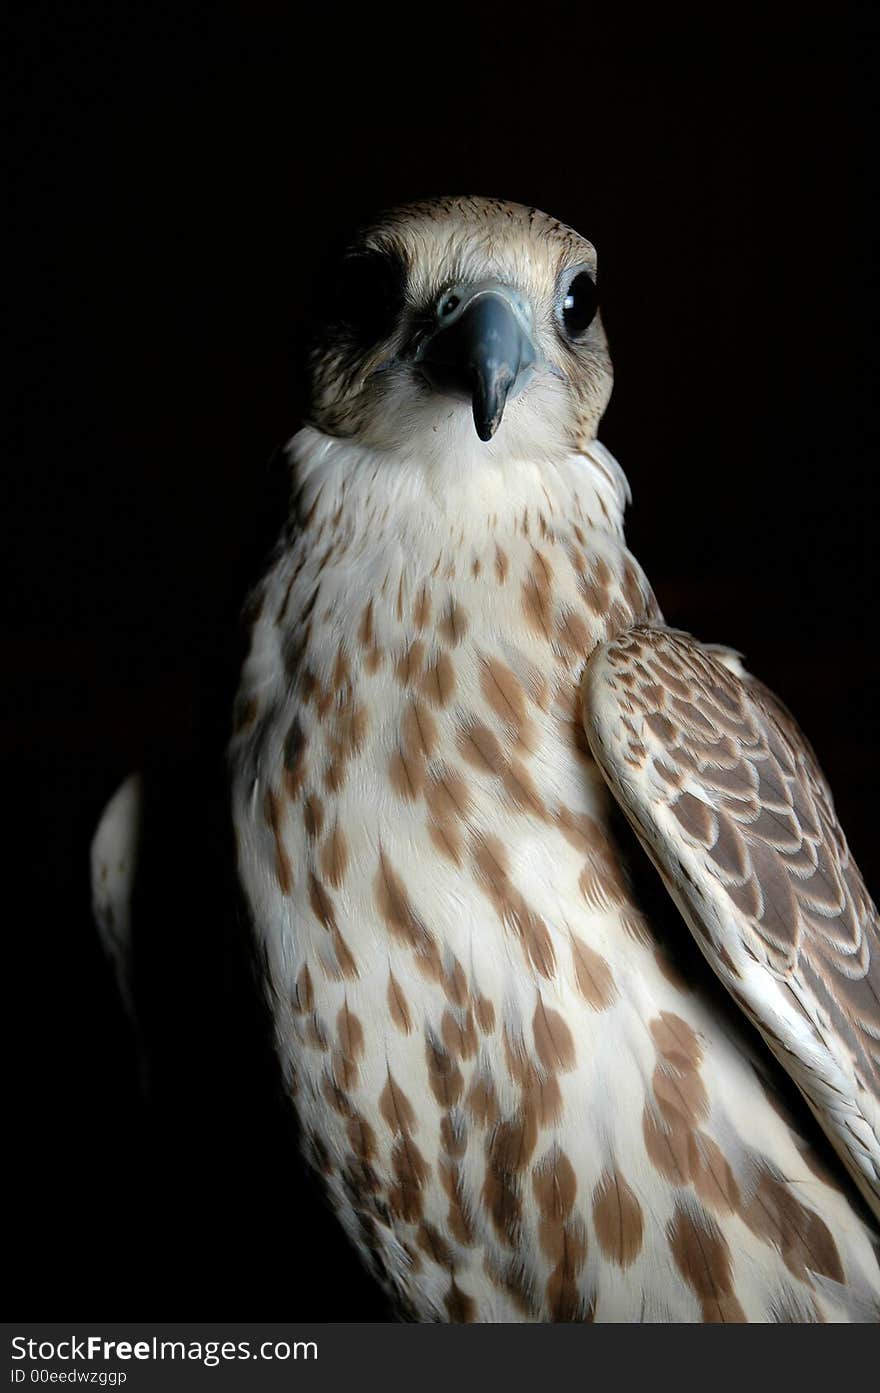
449	305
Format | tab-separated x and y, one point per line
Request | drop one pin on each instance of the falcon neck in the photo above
346	490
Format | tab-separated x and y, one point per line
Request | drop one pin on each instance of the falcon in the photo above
527	1101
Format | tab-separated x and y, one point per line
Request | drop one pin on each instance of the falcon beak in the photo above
481	350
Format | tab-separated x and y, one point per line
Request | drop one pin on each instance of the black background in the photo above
175	178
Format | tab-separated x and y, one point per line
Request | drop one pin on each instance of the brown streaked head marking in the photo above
363	377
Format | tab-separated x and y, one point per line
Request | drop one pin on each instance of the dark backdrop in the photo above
174	182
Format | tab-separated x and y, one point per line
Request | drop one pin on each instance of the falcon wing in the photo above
728	800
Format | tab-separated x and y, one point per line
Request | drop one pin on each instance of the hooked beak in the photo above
482	350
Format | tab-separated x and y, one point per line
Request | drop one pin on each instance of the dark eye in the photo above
579	305
368	295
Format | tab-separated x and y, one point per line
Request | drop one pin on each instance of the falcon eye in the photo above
368	295
579	305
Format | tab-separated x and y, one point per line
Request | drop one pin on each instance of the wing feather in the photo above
730	803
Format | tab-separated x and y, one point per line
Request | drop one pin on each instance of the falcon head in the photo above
467	324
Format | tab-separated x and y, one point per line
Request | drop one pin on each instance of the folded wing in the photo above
727	798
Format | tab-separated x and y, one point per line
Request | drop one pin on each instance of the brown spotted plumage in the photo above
522	1105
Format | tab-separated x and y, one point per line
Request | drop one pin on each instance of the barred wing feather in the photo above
728	800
